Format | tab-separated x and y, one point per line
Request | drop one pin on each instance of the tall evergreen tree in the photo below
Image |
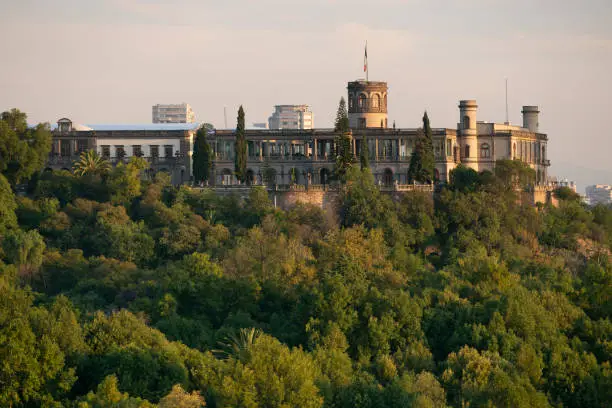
240	148
342	121
344	154
364	157
202	155
422	162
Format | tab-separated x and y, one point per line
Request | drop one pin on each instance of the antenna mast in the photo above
507	119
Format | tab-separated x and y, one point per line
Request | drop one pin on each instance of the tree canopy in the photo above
23	150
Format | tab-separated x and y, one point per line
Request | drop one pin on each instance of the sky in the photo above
109	61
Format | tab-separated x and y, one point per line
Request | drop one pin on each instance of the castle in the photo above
306	156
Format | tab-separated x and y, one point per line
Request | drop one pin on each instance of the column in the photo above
314	149
306	149
260	147
354	145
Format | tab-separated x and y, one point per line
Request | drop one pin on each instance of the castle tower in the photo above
367	104
468	133
530	118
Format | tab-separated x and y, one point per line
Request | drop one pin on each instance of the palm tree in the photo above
238	346
90	163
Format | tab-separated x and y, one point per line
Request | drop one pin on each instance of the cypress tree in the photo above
240	148
422	162
428	159
364	157
202	155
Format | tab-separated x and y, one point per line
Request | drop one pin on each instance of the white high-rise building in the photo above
177	113
599	194
291	117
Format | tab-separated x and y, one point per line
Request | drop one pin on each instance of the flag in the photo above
365	59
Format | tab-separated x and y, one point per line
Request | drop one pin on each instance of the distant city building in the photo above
291	117
178	113
599	194
260	125
556	183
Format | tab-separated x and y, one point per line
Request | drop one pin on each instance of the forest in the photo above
118	290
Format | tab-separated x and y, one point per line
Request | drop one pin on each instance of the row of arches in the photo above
362	101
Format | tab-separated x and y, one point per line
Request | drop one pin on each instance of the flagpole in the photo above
367	65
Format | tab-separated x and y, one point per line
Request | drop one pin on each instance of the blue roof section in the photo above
145	126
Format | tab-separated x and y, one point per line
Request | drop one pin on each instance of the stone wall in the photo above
327	200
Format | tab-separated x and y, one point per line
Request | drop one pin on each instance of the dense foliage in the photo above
127	292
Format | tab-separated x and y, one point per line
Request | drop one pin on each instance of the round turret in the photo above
367	104
530	118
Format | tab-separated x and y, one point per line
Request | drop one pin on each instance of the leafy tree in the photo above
514	174
23	151
179	398
240	148
108	395
124	182
33	371
202	156
422	161
24	250
90	163
8	219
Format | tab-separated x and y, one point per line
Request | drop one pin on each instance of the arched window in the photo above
362	101
485	152
467	150
351	102
376	101
466	122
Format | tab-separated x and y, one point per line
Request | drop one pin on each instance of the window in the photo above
120	151
485	152
376	101
362	101
466	122
106	151
65	148
81	145
362	123
137	150
154	151
168	152
449	147
467	150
